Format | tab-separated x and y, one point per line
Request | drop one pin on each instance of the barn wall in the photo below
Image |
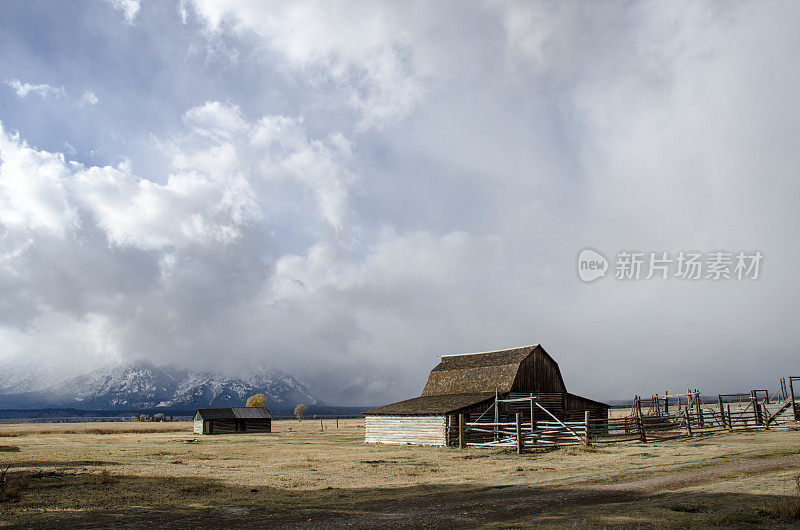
538	373
198	425
222	426
232	426
416	430
576	405
257	425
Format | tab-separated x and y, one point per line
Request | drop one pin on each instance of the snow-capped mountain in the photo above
22	373
136	385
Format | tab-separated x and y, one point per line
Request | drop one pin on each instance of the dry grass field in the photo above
132	474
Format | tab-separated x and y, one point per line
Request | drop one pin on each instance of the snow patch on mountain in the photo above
145	385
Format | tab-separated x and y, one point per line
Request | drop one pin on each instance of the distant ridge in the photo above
144	385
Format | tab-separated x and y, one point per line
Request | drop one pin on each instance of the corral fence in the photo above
534	421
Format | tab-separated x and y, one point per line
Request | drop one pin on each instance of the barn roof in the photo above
478	372
251	412
234	413
462	380
443	404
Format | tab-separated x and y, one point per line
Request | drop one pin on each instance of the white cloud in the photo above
503	137
42	90
187	209
229	173
93	339
129	8
88	98
364	48
207	221
34	189
273	151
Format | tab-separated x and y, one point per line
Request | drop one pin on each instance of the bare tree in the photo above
299	410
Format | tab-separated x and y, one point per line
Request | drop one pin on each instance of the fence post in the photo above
721	410
640	421
496	416
461	431
730	419
688	420
698	408
586	422
519	434
531	414
794	407
756	410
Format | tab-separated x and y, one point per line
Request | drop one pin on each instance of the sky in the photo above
347	190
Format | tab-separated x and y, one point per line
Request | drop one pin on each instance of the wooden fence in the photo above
521	435
526	422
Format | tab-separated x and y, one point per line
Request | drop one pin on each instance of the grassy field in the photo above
101	474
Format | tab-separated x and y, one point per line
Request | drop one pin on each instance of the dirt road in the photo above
556	505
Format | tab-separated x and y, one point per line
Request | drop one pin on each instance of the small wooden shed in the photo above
467	384
230	420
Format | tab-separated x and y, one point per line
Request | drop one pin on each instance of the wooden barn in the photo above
470	384
230	420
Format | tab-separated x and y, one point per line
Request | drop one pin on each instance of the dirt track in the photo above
499	504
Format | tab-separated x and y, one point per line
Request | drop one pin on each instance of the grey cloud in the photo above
350	206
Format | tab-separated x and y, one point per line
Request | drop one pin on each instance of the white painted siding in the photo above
416	430
198	424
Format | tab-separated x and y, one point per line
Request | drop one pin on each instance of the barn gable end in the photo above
538	373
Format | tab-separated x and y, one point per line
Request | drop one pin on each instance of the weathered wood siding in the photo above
198	424
538	373
256	425
576	405
232	426
416	430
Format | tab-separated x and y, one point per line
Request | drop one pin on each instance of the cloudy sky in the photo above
348	190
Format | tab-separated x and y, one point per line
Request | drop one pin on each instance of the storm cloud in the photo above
346	190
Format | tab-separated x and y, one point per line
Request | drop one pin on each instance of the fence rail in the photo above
530	421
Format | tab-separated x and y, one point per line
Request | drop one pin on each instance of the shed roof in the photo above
430	405
234	413
477	372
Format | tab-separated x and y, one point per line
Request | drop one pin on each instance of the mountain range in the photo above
143	385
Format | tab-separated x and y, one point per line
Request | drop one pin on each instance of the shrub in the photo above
259	400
